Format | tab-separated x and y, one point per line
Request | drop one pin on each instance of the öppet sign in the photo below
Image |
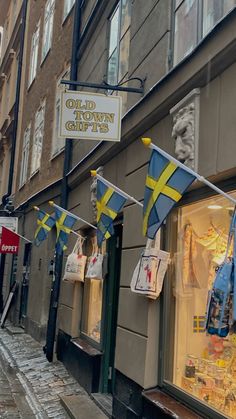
90	116
9	241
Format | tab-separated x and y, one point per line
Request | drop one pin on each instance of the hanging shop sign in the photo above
9	241
90	116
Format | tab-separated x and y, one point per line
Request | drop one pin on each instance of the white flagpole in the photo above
109	184
71	214
148	143
22	237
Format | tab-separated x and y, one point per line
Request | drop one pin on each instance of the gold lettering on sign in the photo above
86	118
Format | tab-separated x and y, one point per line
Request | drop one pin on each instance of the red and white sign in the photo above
9	241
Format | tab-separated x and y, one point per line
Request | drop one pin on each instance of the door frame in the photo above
110	308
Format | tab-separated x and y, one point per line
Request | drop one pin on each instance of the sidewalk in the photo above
45	383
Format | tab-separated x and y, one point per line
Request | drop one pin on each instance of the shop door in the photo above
111	310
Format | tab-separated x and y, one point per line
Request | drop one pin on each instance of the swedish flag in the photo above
166	182
109	203
64	224
45	223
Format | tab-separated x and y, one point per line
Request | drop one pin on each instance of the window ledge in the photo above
34	173
86	347
44	58
57	153
31	84
65	18
165	404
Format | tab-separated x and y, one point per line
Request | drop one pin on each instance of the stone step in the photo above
81	407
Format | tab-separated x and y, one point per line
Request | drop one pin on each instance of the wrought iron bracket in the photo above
106	86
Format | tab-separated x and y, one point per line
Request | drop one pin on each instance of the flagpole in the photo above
71	214
148	143
118	190
22	237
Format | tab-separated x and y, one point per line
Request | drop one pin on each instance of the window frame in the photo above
96	344
167	311
120	37
57	104
200	24
47	28
34	51
25	156
38	129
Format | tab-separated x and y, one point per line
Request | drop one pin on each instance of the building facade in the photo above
151	355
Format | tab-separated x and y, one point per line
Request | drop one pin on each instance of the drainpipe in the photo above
14	134
55	290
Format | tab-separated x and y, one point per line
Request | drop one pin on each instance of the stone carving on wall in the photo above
93	193
185	130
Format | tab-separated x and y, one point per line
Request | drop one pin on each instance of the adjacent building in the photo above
151	356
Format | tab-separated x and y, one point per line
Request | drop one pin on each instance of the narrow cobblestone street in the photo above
29	385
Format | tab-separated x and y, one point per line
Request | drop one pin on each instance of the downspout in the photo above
55	290
14	134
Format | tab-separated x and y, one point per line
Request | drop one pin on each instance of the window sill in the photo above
22	186
31	84
33	174
65	18
44	58
86	347
56	154
156	403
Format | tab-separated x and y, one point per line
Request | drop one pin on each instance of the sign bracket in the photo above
106	86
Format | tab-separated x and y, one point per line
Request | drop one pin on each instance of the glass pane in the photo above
228	5
114	31
92	308
185	29
204	365
125	16
112	70
213	11
124	56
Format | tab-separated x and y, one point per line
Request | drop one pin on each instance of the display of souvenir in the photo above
218	397
187	384
191	366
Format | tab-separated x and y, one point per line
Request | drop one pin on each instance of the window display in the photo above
93	290
92	308
204	365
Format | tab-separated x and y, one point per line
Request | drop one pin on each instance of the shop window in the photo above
193	20
25	156
34	54
119	41
68	4
58	143
203	365
91	325
48	27
38	139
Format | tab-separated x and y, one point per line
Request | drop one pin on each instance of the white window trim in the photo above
25	156
47	28
36	151
68	6
34	55
55	151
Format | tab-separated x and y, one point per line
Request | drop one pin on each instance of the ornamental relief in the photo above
185	130
93	193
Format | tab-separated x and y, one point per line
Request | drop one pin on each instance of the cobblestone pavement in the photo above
29	385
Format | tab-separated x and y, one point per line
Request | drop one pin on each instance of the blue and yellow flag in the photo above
64	224
165	184
45	223
109	203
